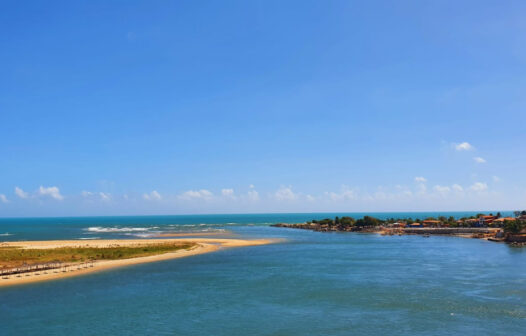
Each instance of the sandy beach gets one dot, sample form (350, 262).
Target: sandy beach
(204, 245)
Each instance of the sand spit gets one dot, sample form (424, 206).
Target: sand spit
(204, 245)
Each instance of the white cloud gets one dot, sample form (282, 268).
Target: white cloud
(441, 189)
(105, 196)
(310, 198)
(3, 199)
(285, 194)
(227, 192)
(253, 195)
(251, 186)
(52, 192)
(496, 179)
(153, 196)
(457, 188)
(479, 186)
(20, 193)
(345, 194)
(464, 146)
(196, 194)
(421, 184)
(478, 159)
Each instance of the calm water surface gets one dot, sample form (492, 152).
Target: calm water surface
(313, 284)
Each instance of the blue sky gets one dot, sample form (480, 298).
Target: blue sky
(160, 107)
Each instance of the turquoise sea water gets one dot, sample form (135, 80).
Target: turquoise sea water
(312, 284)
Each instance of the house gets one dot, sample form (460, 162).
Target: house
(472, 222)
(486, 220)
(500, 221)
(415, 225)
(399, 225)
(489, 219)
(430, 222)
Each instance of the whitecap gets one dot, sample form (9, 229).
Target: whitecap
(115, 229)
(140, 235)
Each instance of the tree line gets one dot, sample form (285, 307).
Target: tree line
(511, 226)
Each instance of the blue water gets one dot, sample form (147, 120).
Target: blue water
(312, 284)
(146, 226)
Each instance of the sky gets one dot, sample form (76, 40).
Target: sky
(180, 107)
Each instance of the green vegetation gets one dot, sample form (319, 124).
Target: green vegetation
(11, 257)
(513, 227)
(350, 224)
(347, 222)
(368, 221)
(340, 223)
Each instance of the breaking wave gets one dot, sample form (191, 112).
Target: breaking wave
(116, 229)
(146, 232)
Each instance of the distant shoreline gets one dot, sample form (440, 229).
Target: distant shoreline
(254, 213)
(496, 228)
(203, 245)
(490, 234)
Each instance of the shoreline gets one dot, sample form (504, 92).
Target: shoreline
(475, 233)
(204, 245)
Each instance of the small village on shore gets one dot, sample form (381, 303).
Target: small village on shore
(509, 229)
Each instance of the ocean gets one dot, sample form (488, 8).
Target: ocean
(312, 284)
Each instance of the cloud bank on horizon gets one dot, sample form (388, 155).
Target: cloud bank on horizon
(421, 194)
(356, 106)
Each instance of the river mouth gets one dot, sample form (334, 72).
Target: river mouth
(311, 283)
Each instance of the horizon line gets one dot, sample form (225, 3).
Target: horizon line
(255, 213)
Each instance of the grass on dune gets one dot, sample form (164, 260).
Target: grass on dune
(11, 257)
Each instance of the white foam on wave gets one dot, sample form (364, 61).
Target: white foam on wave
(147, 232)
(140, 235)
(88, 238)
(115, 229)
(5, 234)
(212, 230)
